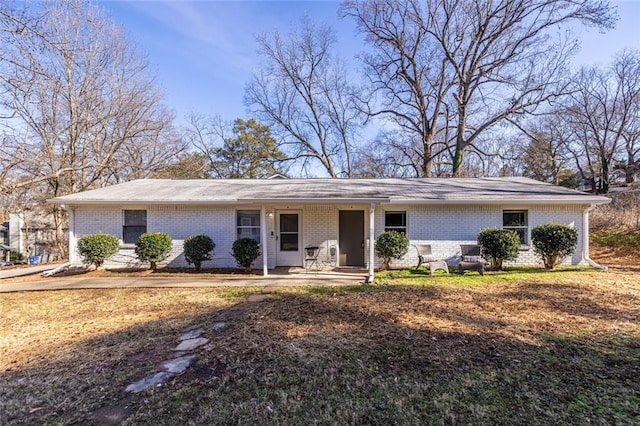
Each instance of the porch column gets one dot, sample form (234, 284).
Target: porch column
(263, 238)
(372, 217)
(73, 244)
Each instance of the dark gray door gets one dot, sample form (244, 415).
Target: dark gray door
(351, 237)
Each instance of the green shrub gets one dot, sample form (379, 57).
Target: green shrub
(553, 242)
(197, 249)
(391, 245)
(96, 248)
(16, 256)
(153, 247)
(246, 251)
(499, 245)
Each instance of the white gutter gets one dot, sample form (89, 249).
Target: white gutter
(585, 239)
(372, 216)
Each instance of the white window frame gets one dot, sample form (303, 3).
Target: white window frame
(244, 220)
(402, 229)
(524, 227)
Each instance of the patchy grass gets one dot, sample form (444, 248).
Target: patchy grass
(616, 238)
(520, 347)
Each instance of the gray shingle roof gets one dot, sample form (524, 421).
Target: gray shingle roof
(512, 190)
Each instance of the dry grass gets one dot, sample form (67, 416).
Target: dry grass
(534, 348)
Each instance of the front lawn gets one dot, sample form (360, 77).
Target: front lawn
(523, 347)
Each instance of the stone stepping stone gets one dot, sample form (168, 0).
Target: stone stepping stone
(148, 382)
(257, 297)
(191, 344)
(191, 333)
(177, 365)
(219, 325)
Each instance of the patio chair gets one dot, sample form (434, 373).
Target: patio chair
(311, 257)
(471, 259)
(424, 256)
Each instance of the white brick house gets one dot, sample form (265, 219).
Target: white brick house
(340, 216)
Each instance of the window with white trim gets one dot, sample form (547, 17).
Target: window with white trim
(395, 221)
(135, 224)
(517, 220)
(248, 224)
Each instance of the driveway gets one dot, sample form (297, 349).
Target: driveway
(76, 283)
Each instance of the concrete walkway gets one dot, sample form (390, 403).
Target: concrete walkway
(78, 282)
(27, 270)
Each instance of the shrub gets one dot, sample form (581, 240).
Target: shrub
(246, 251)
(96, 248)
(553, 242)
(197, 249)
(153, 247)
(499, 245)
(391, 245)
(16, 256)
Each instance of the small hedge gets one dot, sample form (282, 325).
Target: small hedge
(391, 245)
(197, 249)
(245, 252)
(553, 242)
(96, 248)
(153, 247)
(499, 245)
(16, 256)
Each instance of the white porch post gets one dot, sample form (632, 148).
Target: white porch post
(73, 244)
(372, 216)
(263, 238)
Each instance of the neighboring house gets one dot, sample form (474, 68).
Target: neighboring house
(340, 216)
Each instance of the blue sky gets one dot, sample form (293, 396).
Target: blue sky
(204, 51)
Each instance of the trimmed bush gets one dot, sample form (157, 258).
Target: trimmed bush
(96, 248)
(245, 252)
(499, 245)
(553, 242)
(197, 249)
(391, 245)
(16, 256)
(153, 247)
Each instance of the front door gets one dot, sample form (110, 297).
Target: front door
(289, 250)
(351, 237)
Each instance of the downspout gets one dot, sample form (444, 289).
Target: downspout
(585, 239)
(263, 238)
(372, 215)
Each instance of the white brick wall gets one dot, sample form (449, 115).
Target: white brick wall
(444, 227)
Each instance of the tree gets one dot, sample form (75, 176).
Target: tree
(603, 114)
(450, 70)
(391, 245)
(544, 155)
(245, 251)
(96, 248)
(303, 94)
(197, 249)
(80, 107)
(553, 242)
(242, 149)
(499, 245)
(153, 247)
(405, 72)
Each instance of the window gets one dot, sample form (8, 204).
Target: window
(248, 224)
(517, 220)
(135, 224)
(395, 221)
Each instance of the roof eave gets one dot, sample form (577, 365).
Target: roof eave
(519, 201)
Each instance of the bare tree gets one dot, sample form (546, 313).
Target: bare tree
(81, 108)
(603, 114)
(453, 69)
(303, 94)
(407, 75)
